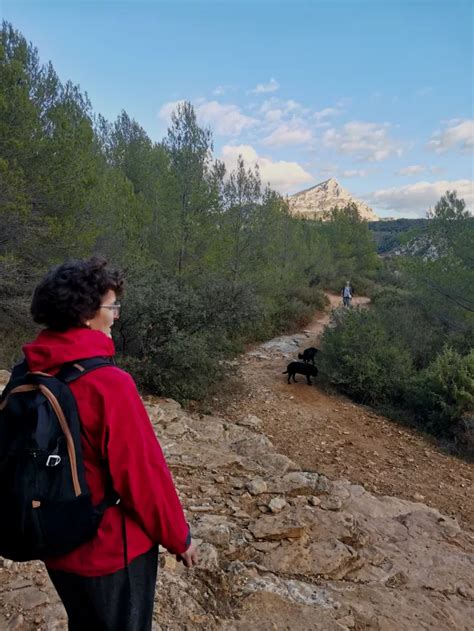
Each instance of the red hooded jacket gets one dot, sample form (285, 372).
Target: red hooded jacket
(117, 438)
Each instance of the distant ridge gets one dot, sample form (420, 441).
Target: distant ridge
(315, 201)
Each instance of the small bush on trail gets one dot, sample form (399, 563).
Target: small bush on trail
(290, 313)
(362, 359)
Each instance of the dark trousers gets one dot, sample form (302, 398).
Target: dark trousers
(122, 601)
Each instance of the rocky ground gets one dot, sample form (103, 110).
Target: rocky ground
(330, 434)
(286, 540)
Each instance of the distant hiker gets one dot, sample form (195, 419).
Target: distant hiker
(346, 294)
(108, 581)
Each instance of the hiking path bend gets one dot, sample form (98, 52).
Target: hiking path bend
(328, 433)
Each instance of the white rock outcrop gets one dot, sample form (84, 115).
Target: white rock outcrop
(314, 202)
(302, 552)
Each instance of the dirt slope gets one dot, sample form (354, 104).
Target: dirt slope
(331, 435)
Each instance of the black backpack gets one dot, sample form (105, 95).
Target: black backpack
(45, 504)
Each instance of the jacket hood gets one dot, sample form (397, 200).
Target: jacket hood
(51, 349)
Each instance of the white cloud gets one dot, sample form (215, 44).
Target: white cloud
(416, 199)
(263, 88)
(355, 173)
(298, 121)
(366, 141)
(167, 109)
(414, 169)
(327, 111)
(283, 176)
(223, 89)
(272, 116)
(293, 133)
(321, 117)
(226, 120)
(322, 125)
(289, 107)
(458, 135)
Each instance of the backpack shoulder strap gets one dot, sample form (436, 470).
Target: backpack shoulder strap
(74, 370)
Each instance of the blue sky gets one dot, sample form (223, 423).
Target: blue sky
(377, 94)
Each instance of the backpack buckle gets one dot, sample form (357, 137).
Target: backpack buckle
(53, 460)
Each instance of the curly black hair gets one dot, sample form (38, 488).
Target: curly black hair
(71, 293)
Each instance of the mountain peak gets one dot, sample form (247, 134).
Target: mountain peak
(315, 201)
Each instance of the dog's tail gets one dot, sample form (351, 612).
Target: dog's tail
(300, 355)
(285, 372)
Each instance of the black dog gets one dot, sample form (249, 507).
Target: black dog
(300, 368)
(308, 354)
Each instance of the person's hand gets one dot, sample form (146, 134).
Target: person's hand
(190, 557)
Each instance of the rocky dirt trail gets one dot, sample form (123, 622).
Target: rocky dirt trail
(286, 541)
(330, 434)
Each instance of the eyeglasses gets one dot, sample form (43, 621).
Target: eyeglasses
(115, 307)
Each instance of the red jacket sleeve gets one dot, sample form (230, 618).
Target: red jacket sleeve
(138, 468)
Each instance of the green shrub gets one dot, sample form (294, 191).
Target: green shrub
(290, 313)
(365, 357)
(173, 336)
(444, 391)
(409, 320)
(361, 358)
(311, 296)
(184, 368)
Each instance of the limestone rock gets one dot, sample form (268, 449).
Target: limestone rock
(251, 421)
(314, 202)
(163, 411)
(219, 535)
(285, 345)
(257, 486)
(331, 559)
(347, 622)
(16, 623)
(273, 528)
(362, 561)
(267, 610)
(298, 483)
(208, 557)
(277, 504)
(331, 502)
(26, 598)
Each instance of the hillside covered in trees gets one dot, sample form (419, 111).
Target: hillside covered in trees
(214, 260)
(394, 233)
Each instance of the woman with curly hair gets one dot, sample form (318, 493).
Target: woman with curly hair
(108, 582)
